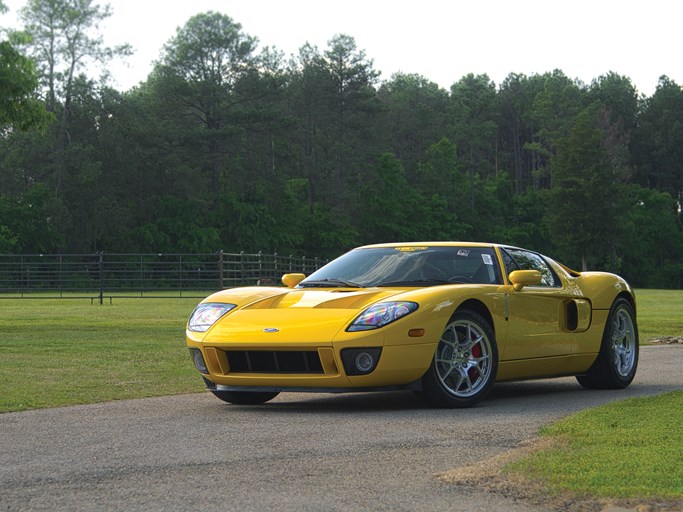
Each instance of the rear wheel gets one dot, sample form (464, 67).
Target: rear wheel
(465, 363)
(617, 360)
(245, 397)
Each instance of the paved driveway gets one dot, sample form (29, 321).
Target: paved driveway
(300, 452)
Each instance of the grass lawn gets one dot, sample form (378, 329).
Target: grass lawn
(627, 449)
(660, 313)
(64, 352)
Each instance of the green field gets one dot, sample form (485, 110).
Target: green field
(63, 352)
(630, 449)
(660, 313)
(69, 351)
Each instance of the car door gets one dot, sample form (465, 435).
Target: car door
(534, 312)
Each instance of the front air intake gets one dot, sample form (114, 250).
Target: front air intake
(274, 361)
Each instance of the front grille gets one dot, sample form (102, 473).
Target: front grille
(274, 361)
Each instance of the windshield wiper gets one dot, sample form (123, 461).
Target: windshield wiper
(331, 281)
(415, 282)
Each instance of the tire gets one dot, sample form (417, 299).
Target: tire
(245, 397)
(465, 363)
(617, 361)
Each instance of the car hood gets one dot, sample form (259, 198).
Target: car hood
(301, 315)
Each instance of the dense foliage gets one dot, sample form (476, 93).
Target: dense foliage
(227, 147)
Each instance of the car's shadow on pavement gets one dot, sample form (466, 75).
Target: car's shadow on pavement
(565, 393)
(502, 396)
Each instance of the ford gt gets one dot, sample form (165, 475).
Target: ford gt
(444, 319)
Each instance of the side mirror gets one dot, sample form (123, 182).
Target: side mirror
(522, 278)
(291, 280)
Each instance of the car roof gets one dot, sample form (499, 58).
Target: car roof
(430, 244)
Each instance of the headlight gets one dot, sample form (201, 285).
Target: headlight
(381, 314)
(205, 315)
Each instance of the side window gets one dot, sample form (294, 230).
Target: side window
(516, 259)
(462, 265)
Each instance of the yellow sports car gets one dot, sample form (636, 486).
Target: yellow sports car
(444, 319)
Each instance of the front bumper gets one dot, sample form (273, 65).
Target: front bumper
(407, 350)
(398, 365)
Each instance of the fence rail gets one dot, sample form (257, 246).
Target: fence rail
(101, 275)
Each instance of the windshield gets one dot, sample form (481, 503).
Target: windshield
(408, 266)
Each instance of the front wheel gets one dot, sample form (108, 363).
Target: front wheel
(465, 363)
(244, 397)
(617, 360)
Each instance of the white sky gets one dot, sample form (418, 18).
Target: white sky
(441, 40)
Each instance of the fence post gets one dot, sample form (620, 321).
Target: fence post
(142, 276)
(180, 273)
(241, 268)
(260, 268)
(21, 276)
(220, 269)
(61, 289)
(100, 265)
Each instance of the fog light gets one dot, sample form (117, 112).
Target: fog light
(360, 361)
(364, 362)
(198, 360)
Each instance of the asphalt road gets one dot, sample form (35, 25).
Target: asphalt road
(378, 451)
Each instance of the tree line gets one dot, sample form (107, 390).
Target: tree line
(228, 146)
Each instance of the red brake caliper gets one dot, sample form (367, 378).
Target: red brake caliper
(474, 372)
